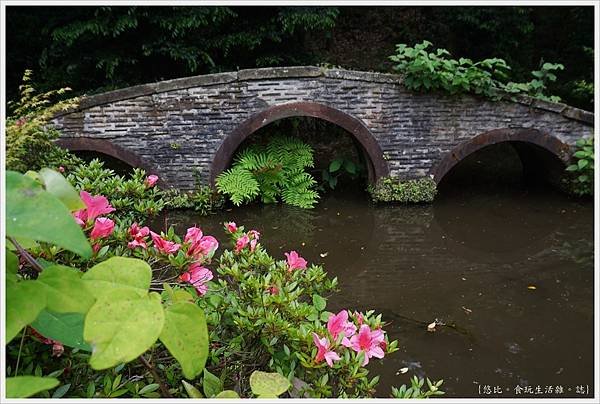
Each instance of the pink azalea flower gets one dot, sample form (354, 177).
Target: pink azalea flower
(253, 245)
(294, 261)
(323, 351)
(369, 342)
(339, 323)
(95, 205)
(231, 227)
(151, 180)
(205, 247)
(103, 227)
(193, 235)
(139, 234)
(80, 217)
(61, 169)
(241, 243)
(164, 246)
(254, 235)
(274, 290)
(198, 276)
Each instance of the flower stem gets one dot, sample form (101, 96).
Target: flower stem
(23, 253)
(163, 387)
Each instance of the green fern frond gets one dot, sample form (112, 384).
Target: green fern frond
(239, 184)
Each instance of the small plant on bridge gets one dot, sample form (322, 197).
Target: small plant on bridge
(275, 171)
(582, 169)
(389, 189)
(424, 70)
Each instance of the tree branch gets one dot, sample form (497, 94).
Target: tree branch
(163, 387)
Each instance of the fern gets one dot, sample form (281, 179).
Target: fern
(273, 171)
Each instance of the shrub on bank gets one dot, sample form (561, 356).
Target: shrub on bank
(580, 174)
(163, 324)
(422, 190)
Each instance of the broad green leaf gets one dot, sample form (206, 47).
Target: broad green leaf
(33, 213)
(319, 302)
(58, 186)
(121, 326)
(227, 394)
(580, 154)
(117, 273)
(191, 390)
(27, 386)
(24, 301)
(61, 391)
(582, 163)
(350, 167)
(66, 328)
(182, 296)
(268, 385)
(335, 165)
(186, 337)
(211, 384)
(65, 290)
(572, 167)
(12, 264)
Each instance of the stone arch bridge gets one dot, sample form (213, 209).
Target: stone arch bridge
(173, 128)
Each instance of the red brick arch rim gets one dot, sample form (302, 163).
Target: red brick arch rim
(533, 136)
(376, 164)
(108, 148)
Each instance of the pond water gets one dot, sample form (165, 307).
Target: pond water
(508, 270)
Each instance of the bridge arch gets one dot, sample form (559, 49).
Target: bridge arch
(376, 165)
(535, 137)
(106, 147)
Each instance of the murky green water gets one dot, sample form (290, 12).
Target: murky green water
(470, 260)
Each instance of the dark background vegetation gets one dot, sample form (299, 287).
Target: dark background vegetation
(94, 49)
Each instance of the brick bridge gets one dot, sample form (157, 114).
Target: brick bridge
(172, 127)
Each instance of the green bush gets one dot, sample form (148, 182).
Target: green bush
(29, 137)
(273, 171)
(204, 199)
(424, 70)
(580, 179)
(410, 191)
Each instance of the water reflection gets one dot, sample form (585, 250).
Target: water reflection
(469, 261)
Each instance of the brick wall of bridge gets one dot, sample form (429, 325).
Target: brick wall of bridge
(177, 126)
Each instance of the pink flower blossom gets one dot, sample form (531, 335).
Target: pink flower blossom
(200, 246)
(95, 205)
(369, 342)
(323, 351)
(241, 243)
(139, 235)
(274, 290)
(294, 261)
(151, 180)
(198, 276)
(103, 227)
(231, 227)
(80, 217)
(339, 323)
(61, 169)
(253, 245)
(254, 235)
(164, 246)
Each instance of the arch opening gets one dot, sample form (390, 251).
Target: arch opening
(527, 156)
(114, 157)
(371, 153)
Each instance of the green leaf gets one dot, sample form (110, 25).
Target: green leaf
(227, 394)
(24, 302)
(335, 165)
(191, 390)
(121, 326)
(66, 328)
(268, 385)
(117, 273)
(149, 388)
(33, 213)
(186, 337)
(61, 391)
(319, 302)
(65, 291)
(572, 167)
(12, 264)
(58, 186)
(27, 386)
(350, 167)
(211, 384)
(582, 164)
